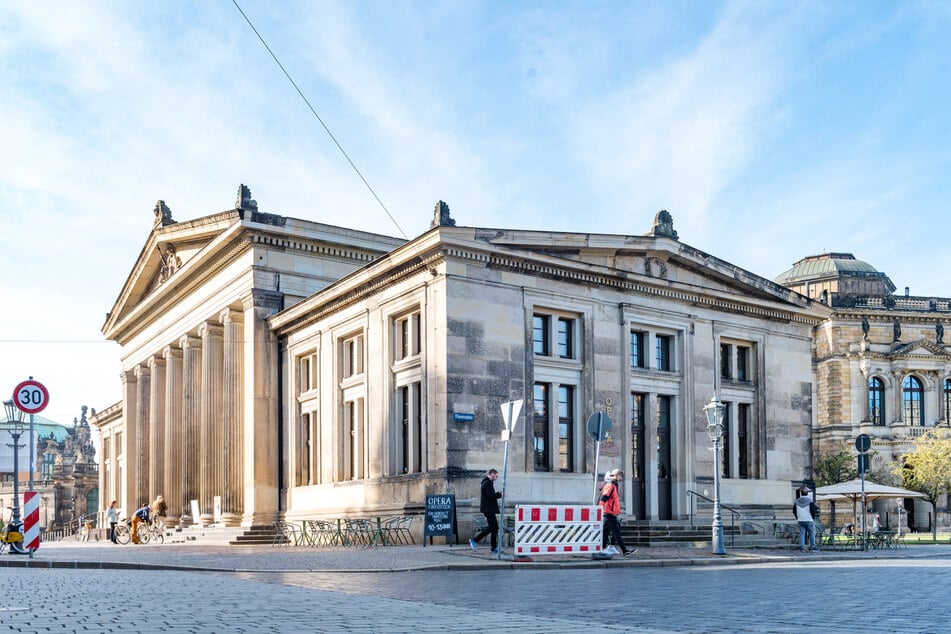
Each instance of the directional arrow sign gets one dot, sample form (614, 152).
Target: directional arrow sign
(510, 412)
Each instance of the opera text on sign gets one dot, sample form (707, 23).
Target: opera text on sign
(440, 515)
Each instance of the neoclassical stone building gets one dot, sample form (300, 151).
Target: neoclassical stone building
(297, 369)
(882, 365)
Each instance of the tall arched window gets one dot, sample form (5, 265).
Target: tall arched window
(947, 400)
(912, 401)
(876, 401)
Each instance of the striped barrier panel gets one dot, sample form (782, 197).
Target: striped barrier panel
(31, 520)
(553, 530)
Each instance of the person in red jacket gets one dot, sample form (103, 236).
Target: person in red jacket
(611, 508)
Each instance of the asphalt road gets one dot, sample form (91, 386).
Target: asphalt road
(877, 595)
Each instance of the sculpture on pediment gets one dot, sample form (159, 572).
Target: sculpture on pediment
(163, 215)
(170, 262)
(244, 200)
(897, 328)
(663, 226)
(939, 331)
(865, 328)
(441, 217)
(661, 267)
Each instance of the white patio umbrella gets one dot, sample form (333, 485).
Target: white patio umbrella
(852, 490)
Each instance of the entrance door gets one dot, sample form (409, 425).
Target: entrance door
(663, 459)
(638, 481)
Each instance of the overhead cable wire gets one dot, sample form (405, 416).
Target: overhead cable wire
(317, 116)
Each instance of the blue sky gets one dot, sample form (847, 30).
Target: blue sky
(770, 131)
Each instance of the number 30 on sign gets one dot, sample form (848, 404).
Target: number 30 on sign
(31, 396)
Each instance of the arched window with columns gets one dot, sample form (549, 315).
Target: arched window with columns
(876, 401)
(912, 401)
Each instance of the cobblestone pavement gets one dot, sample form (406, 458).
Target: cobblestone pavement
(91, 588)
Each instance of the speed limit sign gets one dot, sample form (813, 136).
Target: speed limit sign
(31, 396)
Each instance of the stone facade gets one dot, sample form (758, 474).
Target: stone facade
(882, 367)
(294, 369)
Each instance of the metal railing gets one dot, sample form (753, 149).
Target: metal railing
(734, 514)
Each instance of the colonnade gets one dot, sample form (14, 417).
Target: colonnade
(186, 428)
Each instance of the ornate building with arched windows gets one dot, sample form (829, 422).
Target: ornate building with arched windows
(882, 365)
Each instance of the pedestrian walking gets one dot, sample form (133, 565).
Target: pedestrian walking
(112, 515)
(611, 508)
(489, 506)
(806, 512)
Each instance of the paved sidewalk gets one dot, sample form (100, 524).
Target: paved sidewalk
(216, 557)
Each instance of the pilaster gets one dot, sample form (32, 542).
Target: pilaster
(262, 460)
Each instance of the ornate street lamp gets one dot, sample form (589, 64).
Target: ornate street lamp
(714, 411)
(15, 427)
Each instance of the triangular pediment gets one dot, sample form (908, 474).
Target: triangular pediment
(169, 250)
(651, 259)
(919, 348)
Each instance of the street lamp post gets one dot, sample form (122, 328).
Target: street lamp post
(714, 411)
(15, 429)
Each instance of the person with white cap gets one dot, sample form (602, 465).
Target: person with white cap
(611, 507)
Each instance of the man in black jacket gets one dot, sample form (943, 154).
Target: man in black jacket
(489, 506)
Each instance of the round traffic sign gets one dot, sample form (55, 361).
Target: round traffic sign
(863, 443)
(31, 396)
(599, 425)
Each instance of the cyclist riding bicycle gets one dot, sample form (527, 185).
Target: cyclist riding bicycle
(141, 515)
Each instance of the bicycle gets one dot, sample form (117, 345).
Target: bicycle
(12, 536)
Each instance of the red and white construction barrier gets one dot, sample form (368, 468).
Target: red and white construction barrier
(31, 520)
(552, 530)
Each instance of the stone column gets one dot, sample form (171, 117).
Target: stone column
(232, 503)
(143, 394)
(173, 434)
(157, 428)
(125, 446)
(262, 463)
(211, 426)
(191, 423)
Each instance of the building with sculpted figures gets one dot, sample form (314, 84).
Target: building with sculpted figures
(882, 365)
(294, 369)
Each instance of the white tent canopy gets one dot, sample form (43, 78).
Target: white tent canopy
(852, 490)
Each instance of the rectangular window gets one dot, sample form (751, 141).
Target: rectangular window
(351, 353)
(354, 437)
(663, 437)
(743, 439)
(663, 353)
(565, 338)
(638, 405)
(725, 442)
(307, 372)
(411, 427)
(638, 356)
(541, 426)
(303, 451)
(406, 336)
(540, 335)
(726, 355)
(742, 363)
(566, 427)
